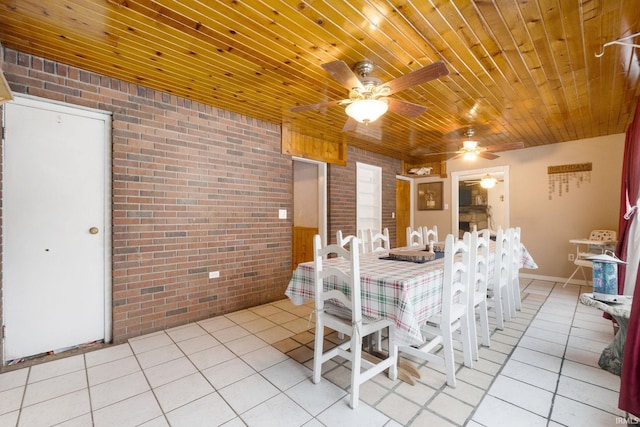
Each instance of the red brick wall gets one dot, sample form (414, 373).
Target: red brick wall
(342, 193)
(195, 189)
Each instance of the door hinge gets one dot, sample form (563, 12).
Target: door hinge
(2, 332)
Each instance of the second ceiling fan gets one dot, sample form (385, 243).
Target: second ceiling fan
(471, 149)
(369, 97)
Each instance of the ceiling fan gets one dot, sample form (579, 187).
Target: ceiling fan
(470, 149)
(369, 97)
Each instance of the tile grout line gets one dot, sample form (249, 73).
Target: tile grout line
(495, 377)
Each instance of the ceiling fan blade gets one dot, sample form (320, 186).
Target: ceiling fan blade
(350, 125)
(505, 147)
(341, 72)
(439, 153)
(430, 72)
(299, 108)
(406, 108)
(488, 156)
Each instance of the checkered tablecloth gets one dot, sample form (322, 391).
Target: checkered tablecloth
(406, 292)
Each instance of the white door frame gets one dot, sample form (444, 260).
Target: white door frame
(322, 196)
(36, 102)
(456, 177)
(411, 198)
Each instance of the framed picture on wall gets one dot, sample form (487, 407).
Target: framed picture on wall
(430, 196)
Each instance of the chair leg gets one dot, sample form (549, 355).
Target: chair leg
(484, 323)
(584, 275)
(572, 274)
(317, 352)
(449, 362)
(473, 335)
(356, 350)
(512, 302)
(517, 298)
(498, 308)
(506, 304)
(465, 337)
(393, 353)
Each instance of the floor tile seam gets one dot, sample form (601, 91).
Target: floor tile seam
(524, 295)
(24, 393)
(562, 362)
(616, 390)
(215, 389)
(90, 386)
(581, 402)
(279, 391)
(151, 388)
(218, 390)
(86, 373)
(515, 406)
(441, 390)
(90, 411)
(424, 408)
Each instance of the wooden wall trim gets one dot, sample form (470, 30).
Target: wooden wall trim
(307, 147)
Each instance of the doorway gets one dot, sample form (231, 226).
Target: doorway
(404, 207)
(57, 227)
(476, 206)
(309, 208)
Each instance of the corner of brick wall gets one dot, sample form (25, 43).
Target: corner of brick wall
(194, 188)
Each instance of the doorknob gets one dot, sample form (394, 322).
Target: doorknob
(93, 230)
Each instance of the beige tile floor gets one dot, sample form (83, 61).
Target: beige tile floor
(252, 367)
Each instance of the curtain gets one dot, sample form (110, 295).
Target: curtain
(628, 244)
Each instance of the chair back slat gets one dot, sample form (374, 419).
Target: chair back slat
(379, 242)
(343, 241)
(430, 234)
(480, 261)
(350, 276)
(414, 237)
(456, 273)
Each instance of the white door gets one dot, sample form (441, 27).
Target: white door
(56, 230)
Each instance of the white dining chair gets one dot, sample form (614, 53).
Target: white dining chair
(378, 242)
(452, 321)
(414, 237)
(478, 305)
(515, 252)
(340, 309)
(430, 234)
(343, 241)
(498, 297)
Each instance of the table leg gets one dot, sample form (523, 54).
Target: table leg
(611, 357)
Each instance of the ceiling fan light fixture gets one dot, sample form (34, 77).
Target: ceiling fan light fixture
(367, 110)
(488, 181)
(469, 145)
(469, 155)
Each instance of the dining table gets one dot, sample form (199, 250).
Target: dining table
(406, 292)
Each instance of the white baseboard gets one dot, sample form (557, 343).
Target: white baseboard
(579, 282)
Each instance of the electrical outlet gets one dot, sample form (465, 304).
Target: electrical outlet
(571, 257)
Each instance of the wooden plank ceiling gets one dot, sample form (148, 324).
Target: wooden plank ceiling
(519, 70)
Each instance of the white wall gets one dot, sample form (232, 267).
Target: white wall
(548, 223)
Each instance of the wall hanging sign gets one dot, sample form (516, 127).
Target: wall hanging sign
(562, 176)
(430, 196)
